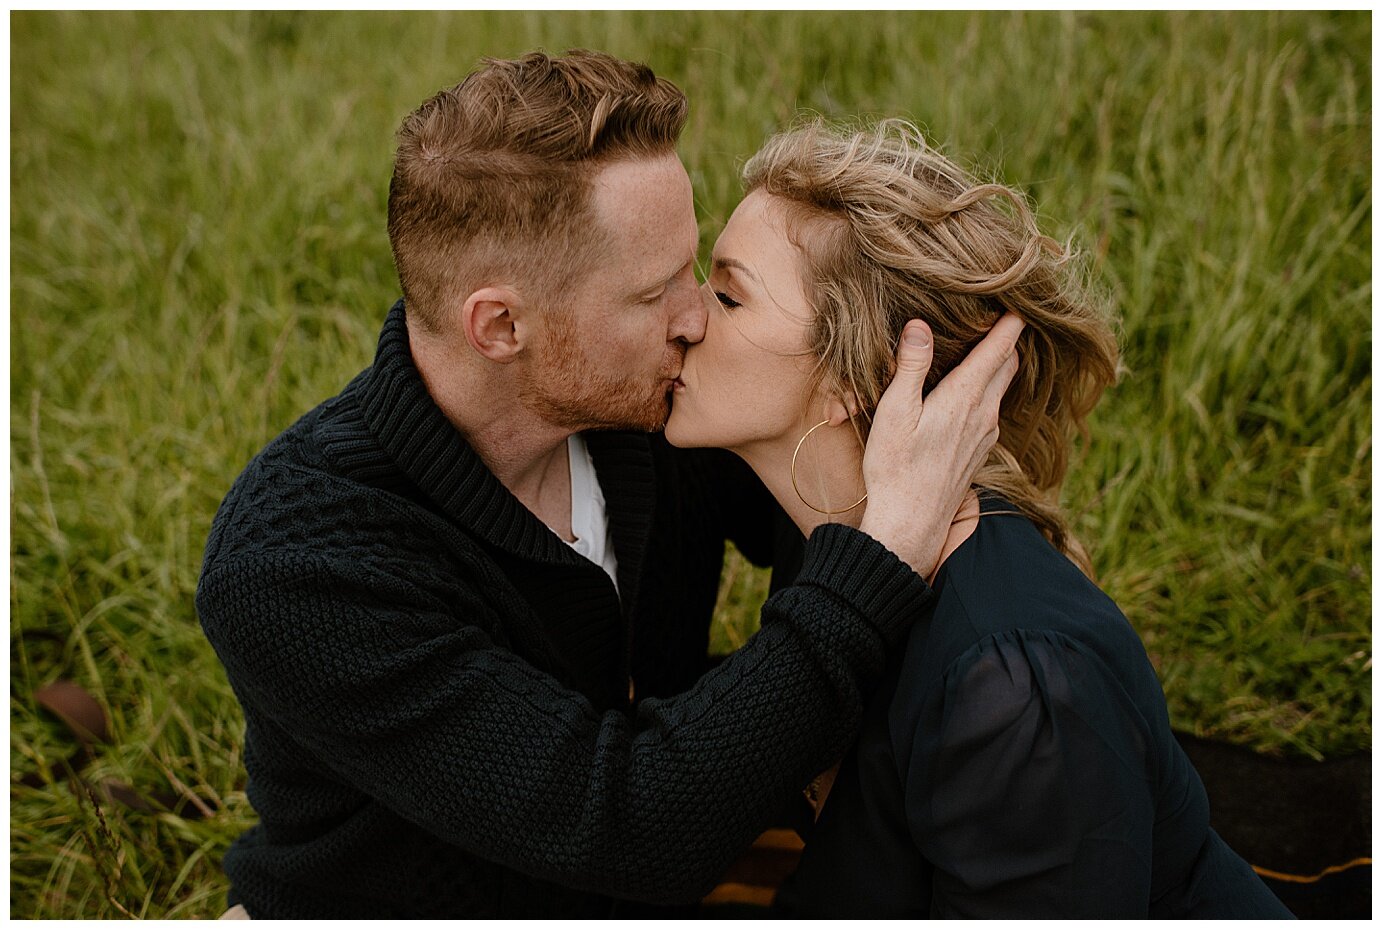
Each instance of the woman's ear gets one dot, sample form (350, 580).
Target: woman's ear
(839, 409)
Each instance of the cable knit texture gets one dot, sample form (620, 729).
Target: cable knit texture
(435, 686)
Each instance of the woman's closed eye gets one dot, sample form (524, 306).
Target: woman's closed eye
(729, 303)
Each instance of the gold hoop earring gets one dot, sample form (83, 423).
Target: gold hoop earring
(795, 452)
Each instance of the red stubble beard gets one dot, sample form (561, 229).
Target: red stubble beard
(567, 389)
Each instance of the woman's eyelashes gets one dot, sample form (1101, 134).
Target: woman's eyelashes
(726, 301)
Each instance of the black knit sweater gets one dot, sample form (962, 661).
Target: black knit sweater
(436, 687)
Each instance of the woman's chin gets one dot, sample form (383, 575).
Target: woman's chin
(681, 431)
(676, 431)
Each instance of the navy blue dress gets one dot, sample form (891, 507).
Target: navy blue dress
(1018, 762)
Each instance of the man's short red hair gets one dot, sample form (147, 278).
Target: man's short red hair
(492, 177)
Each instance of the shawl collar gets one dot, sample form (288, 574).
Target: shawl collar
(624, 465)
(415, 434)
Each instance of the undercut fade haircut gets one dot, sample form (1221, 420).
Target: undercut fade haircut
(492, 178)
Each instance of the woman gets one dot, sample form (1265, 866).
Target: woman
(1018, 761)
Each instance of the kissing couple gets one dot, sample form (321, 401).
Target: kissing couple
(464, 604)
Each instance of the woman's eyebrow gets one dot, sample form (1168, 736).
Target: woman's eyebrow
(717, 261)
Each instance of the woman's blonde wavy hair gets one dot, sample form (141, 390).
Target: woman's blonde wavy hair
(892, 231)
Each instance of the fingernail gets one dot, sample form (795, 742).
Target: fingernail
(916, 336)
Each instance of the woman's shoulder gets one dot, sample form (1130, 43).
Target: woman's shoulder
(1012, 614)
(1007, 581)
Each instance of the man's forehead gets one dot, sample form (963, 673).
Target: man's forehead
(644, 207)
(642, 176)
(646, 196)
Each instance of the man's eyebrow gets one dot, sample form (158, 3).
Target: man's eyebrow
(717, 261)
(664, 281)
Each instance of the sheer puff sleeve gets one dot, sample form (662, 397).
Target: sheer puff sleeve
(1029, 783)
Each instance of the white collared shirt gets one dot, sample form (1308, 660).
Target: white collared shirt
(589, 522)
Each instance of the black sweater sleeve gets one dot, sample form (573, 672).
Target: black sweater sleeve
(413, 704)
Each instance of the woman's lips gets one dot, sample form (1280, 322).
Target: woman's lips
(678, 385)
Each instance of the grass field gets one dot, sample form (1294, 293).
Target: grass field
(198, 255)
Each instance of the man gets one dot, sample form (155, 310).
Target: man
(467, 621)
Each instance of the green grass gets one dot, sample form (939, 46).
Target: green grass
(198, 255)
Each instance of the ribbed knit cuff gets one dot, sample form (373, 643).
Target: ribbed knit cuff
(864, 572)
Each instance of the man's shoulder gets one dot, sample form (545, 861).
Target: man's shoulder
(299, 495)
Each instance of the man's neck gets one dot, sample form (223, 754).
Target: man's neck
(525, 452)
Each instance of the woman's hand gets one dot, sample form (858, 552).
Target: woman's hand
(922, 457)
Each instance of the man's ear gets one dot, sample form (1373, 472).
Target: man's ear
(839, 409)
(492, 319)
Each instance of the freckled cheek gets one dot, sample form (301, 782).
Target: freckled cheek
(645, 348)
(753, 393)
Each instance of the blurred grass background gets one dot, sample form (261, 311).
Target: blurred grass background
(198, 255)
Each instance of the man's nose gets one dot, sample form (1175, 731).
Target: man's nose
(688, 323)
